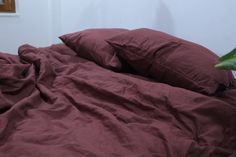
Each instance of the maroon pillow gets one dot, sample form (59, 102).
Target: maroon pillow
(171, 60)
(91, 44)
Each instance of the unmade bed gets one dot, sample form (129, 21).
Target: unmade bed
(56, 102)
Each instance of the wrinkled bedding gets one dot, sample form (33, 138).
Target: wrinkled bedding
(56, 104)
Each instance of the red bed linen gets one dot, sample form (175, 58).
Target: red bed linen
(55, 104)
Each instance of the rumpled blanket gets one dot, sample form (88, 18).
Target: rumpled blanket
(56, 104)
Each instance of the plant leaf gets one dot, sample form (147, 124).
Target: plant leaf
(227, 64)
(229, 55)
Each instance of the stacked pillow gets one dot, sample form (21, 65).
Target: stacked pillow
(91, 44)
(153, 54)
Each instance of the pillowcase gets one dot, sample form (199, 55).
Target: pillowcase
(91, 44)
(171, 60)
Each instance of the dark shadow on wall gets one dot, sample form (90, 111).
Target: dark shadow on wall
(164, 20)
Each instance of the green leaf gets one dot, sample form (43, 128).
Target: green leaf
(228, 56)
(229, 63)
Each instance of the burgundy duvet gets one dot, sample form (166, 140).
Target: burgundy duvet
(55, 104)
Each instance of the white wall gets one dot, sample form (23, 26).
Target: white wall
(56, 20)
(30, 25)
(80, 14)
(210, 23)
